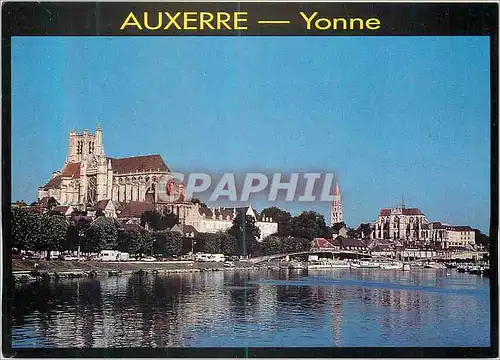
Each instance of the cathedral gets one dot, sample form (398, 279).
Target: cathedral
(89, 176)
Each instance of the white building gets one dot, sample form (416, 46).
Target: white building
(211, 220)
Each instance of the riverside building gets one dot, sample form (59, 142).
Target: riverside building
(411, 227)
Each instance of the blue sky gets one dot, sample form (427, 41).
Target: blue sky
(389, 115)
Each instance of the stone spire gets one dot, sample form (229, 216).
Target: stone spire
(99, 147)
(337, 215)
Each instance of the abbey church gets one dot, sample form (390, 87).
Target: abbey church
(89, 176)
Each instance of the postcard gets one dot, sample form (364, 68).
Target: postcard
(250, 179)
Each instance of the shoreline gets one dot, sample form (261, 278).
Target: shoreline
(25, 270)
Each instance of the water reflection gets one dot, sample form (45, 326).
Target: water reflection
(323, 308)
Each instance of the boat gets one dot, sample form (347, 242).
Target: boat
(318, 265)
(296, 265)
(395, 265)
(339, 264)
(434, 265)
(365, 264)
(328, 264)
(475, 270)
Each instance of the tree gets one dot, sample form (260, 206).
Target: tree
(282, 217)
(53, 233)
(25, 228)
(51, 203)
(272, 245)
(295, 244)
(157, 221)
(209, 243)
(352, 233)
(309, 225)
(135, 240)
(101, 234)
(228, 243)
(481, 239)
(245, 232)
(168, 243)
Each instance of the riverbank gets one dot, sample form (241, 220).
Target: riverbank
(25, 270)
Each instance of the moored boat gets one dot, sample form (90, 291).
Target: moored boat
(395, 265)
(434, 265)
(365, 264)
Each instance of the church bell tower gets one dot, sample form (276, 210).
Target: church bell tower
(337, 215)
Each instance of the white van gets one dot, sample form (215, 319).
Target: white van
(216, 257)
(124, 256)
(109, 255)
(201, 257)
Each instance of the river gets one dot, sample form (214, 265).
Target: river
(363, 307)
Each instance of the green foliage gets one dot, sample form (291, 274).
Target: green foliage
(168, 243)
(102, 234)
(481, 239)
(25, 228)
(157, 221)
(228, 243)
(209, 243)
(309, 225)
(246, 234)
(282, 217)
(53, 233)
(272, 245)
(281, 245)
(135, 240)
(353, 233)
(295, 244)
(51, 203)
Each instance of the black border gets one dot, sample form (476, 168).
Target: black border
(97, 19)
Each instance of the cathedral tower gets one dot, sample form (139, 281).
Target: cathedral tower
(337, 215)
(84, 144)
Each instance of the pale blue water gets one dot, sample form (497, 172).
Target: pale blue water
(364, 307)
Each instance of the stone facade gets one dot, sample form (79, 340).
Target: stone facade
(89, 176)
(211, 220)
(411, 227)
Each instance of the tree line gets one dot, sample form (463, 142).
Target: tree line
(52, 231)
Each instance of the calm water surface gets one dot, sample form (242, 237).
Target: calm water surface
(364, 307)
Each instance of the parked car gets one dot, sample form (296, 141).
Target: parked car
(33, 257)
(229, 264)
(148, 258)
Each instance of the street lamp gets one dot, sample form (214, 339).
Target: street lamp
(80, 235)
(192, 247)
